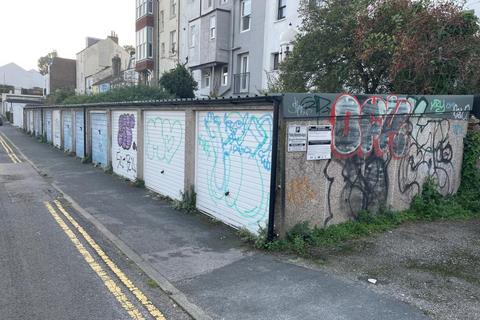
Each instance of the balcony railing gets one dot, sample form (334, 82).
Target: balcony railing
(241, 83)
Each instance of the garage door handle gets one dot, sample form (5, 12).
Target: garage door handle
(162, 172)
(227, 193)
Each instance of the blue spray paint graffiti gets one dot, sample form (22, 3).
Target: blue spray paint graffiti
(170, 132)
(238, 148)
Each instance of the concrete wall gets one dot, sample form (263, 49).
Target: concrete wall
(382, 151)
(61, 75)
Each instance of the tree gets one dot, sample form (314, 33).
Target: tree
(179, 82)
(129, 48)
(378, 46)
(45, 61)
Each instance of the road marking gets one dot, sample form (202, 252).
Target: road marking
(109, 283)
(9, 150)
(119, 273)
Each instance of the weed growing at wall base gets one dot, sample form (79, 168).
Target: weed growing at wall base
(429, 205)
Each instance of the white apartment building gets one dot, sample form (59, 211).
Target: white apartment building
(234, 47)
(168, 35)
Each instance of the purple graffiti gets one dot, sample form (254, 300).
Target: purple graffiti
(126, 123)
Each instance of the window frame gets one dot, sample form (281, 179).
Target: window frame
(173, 8)
(212, 31)
(243, 16)
(193, 36)
(224, 76)
(161, 17)
(281, 9)
(173, 42)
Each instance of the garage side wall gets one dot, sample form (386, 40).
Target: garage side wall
(382, 151)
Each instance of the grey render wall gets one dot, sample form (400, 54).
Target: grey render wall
(250, 42)
(380, 159)
(62, 74)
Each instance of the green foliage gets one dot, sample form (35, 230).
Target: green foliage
(87, 159)
(379, 46)
(139, 183)
(59, 96)
(429, 205)
(179, 82)
(134, 93)
(45, 61)
(188, 202)
(6, 88)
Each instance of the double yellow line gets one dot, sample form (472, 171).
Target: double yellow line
(9, 151)
(107, 280)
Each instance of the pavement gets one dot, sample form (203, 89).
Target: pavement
(200, 264)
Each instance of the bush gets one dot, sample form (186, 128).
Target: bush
(134, 93)
(179, 82)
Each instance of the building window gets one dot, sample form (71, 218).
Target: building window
(244, 67)
(162, 50)
(161, 19)
(193, 36)
(206, 79)
(246, 12)
(213, 27)
(173, 8)
(173, 42)
(209, 4)
(144, 7)
(224, 76)
(144, 42)
(275, 61)
(282, 8)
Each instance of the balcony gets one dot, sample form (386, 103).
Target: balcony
(241, 83)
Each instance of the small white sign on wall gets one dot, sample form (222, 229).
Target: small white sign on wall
(319, 142)
(297, 138)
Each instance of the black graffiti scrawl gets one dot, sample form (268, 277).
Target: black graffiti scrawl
(376, 136)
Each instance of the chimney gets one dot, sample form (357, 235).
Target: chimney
(116, 66)
(114, 37)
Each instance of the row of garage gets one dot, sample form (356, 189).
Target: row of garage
(225, 155)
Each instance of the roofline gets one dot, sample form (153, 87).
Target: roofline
(169, 102)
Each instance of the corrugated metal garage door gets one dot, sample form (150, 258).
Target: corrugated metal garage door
(38, 123)
(164, 154)
(79, 135)
(18, 114)
(99, 138)
(233, 163)
(30, 121)
(124, 144)
(48, 125)
(56, 129)
(67, 131)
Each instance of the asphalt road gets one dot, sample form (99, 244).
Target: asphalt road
(53, 265)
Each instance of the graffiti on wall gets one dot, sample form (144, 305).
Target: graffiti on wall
(125, 150)
(163, 139)
(384, 142)
(236, 147)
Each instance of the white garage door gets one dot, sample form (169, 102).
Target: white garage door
(124, 144)
(57, 129)
(233, 166)
(164, 158)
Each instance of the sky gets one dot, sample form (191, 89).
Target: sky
(30, 29)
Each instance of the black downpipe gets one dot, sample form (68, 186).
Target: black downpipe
(84, 132)
(273, 175)
(41, 123)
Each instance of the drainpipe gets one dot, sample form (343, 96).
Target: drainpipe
(84, 132)
(273, 172)
(232, 49)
